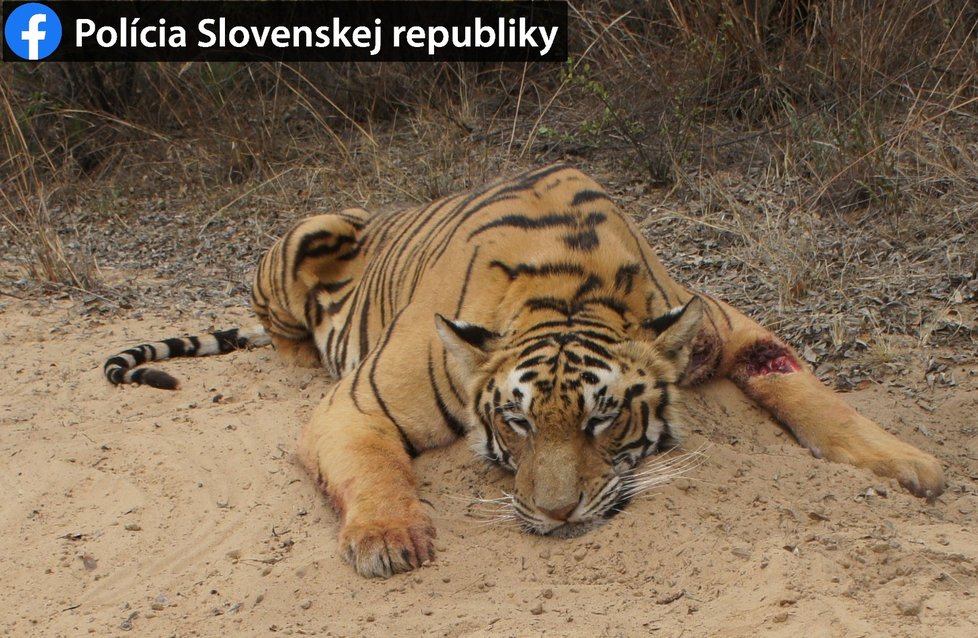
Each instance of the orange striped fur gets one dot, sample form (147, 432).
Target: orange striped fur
(532, 317)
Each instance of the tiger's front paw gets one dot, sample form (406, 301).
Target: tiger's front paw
(387, 546)
(864, 444)
(917, 471)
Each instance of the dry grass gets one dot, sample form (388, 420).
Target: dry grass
(27, 216)
(813, 161)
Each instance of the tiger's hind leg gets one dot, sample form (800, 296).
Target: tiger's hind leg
(363, 463)
(771, 373)
(319, 257)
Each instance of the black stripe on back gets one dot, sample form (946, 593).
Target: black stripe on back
(625, 277)
(592, 283)
(642, 246)
(583, 241)
(524, 222)
(306, 250)
(561, 306)
(465, 283)
(543, 270)
(588, 195)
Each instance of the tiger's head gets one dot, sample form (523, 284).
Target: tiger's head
(572, 408)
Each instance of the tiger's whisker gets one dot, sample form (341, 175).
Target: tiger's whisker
(671, 458)
(478, 499)
(636, 489)
(685, 462)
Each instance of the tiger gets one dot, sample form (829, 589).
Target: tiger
(531, 317)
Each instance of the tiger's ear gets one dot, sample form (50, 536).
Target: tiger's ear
(469, 343)
(675, 332)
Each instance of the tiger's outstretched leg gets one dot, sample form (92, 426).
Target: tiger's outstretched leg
(771, 373)
(300, 274)
(361, 462)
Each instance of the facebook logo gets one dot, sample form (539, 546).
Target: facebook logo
(33, 31)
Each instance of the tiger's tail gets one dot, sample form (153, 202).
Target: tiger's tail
(122, 368)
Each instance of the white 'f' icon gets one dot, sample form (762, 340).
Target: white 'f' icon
(34, 35)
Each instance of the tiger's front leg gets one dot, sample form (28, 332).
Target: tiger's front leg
(361, 463)
(833, 429)
(770, 373)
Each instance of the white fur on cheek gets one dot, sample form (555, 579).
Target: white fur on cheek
(525, 389)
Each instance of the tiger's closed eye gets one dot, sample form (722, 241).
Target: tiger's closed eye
(518, 424)
(599, 423)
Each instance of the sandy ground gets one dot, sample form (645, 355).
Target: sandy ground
(131, 511)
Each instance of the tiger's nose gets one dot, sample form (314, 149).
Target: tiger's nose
(561, 513)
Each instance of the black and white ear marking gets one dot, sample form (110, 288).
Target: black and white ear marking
(597, 424)
(660, 324)
(471, 344)
(678, 328)
(519, 424)
(473, 335)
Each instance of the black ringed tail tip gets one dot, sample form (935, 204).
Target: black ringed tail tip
(123, 368)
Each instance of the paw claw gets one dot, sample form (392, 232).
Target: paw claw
(386, 547)
(918, 473)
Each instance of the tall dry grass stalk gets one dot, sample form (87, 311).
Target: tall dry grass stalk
(838, 113)
(26, 211)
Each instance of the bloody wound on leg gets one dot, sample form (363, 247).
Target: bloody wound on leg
(767, 357)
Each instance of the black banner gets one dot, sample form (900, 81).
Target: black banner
(186, 31)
